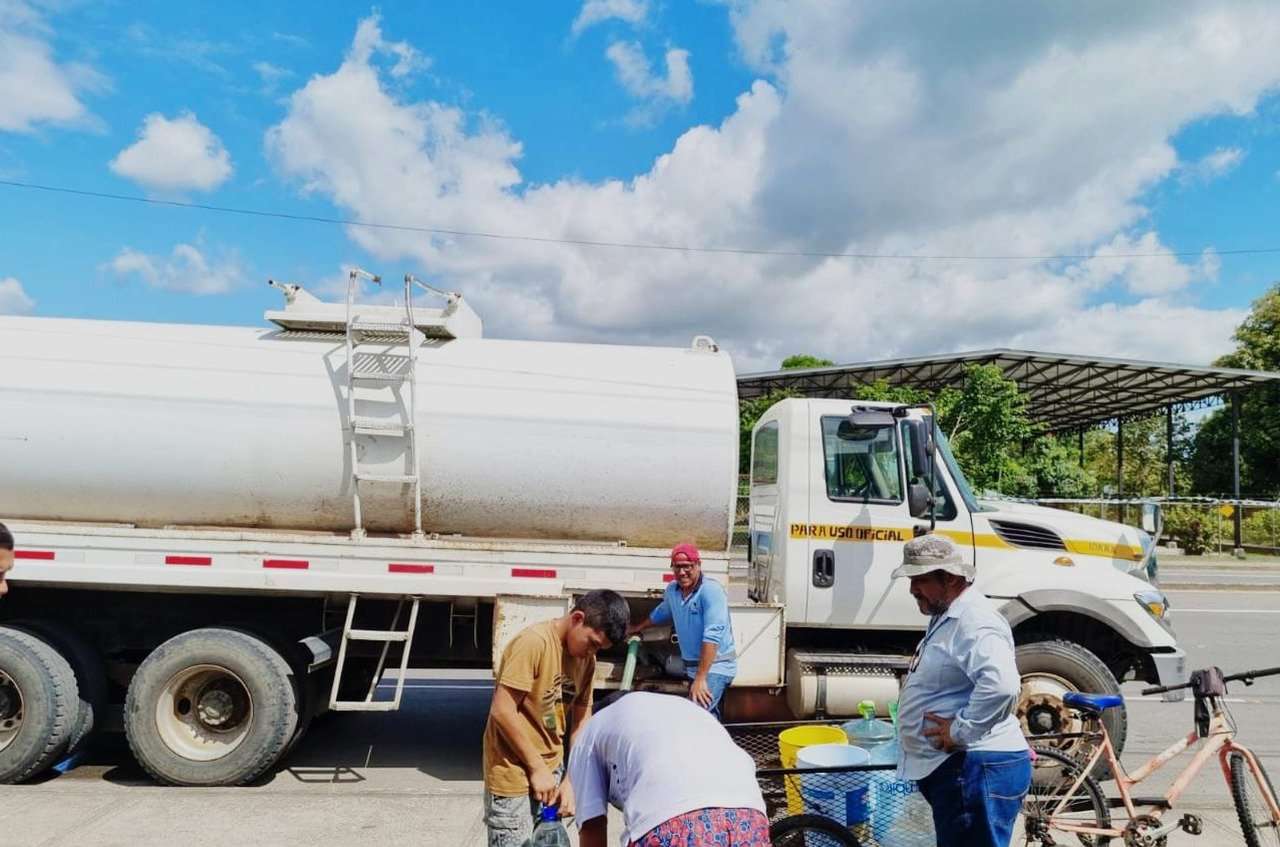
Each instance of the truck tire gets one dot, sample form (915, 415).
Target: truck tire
(1051, 668)
(211, 706)
(38, 702)
(90, 673)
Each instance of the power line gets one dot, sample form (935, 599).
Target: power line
(623, 245)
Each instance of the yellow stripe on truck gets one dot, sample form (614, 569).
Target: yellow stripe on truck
(1103, 548)
(901, 535)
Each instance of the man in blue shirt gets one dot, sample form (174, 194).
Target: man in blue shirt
(958, 736)
(699, 608)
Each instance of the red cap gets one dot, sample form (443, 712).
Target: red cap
(690, 552)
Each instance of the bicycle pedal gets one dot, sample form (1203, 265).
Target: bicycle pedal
(1191, 824)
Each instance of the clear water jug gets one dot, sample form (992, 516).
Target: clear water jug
(550, 832)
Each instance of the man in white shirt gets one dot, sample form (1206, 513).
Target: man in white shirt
(958, 735)
(674, 772)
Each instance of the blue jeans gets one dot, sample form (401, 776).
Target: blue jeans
(976, 797)
(716, 684)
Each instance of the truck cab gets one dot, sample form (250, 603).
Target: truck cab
(836, 490)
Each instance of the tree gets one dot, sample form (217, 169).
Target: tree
(749, 412)
(804, 360)
(1257, 348)
(1146, 456)
(986, 421)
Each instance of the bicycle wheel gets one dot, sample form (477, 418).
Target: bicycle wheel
(1052, 800)
(811, 831)
(1259, 826)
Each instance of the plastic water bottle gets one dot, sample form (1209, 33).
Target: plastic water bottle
(875, 736)
(549, 832)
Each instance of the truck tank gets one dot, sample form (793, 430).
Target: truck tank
(164, 424)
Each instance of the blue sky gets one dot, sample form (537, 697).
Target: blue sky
(743, 124)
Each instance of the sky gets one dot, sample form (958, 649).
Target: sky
(856, 180)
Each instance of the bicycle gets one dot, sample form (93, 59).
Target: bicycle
(1065, 798)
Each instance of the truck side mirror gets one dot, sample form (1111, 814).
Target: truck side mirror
(919, 447)
(1152, 519)
(918, 500)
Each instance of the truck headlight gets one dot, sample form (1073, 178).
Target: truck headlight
(1155, 604)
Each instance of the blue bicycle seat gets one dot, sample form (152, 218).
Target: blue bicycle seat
(1092, 702)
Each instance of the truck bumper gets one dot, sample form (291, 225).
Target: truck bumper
(1171, 669)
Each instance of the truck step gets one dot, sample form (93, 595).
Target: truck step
(404, 479)
(377, 635)
(381, 376)
(363, 705)
(379, 426)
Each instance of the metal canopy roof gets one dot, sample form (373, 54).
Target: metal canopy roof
(1066, 392)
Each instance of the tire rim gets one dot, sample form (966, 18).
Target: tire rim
(204, 712)
(11, 710)
(1041, 711)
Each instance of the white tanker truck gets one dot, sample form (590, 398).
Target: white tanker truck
(224, 531)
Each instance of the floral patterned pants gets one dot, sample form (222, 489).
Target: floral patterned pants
(710, 828)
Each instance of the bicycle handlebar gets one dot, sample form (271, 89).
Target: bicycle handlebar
(1247, 677)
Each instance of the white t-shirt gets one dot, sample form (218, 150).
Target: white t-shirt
(657, 756)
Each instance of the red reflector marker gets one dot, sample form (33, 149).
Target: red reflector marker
(403, 568)
(44, 555)
(287, 564)
(204, 561)
(535, 573)
(668, 577)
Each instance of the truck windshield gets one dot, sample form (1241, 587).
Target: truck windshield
(949, 459)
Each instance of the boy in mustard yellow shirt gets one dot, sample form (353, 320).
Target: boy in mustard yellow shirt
(542, 668)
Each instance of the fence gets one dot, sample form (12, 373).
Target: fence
(864, 801)
(1196, 524)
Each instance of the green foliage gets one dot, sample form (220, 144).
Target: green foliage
(1192, 526)
(881, 391)
(804, 360)
(986, 421)
(1054, 465)
(749, 412)
(1146, 469)
(1257, 348)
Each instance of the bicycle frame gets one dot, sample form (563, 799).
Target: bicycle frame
(1220, 739)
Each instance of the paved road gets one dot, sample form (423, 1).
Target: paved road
(1236, 630)
(412, 778)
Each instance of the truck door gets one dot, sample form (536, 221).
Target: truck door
(859, 521)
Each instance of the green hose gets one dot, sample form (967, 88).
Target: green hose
(629, 669)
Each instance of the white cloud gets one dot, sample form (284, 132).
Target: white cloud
(1143, 266)
(35, 88)
(369, 41)
(185, 269)
(638, 78)
(599, 11)
(1149, 329)
(174, 155)
(13, 299)
(1217, 164)
(271, 75)
(903, 128)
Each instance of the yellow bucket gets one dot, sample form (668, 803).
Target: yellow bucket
(790, 741)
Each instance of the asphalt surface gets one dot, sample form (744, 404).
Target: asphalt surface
(413, 777)
(1236, 630)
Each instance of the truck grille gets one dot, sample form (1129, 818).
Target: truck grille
(1026, 535)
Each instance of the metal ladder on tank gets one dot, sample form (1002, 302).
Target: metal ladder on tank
(387, 637)
(388, 370)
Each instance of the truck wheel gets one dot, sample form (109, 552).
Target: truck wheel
(86, 664)
(210, 707)
(37, 705)
(1052, 668)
